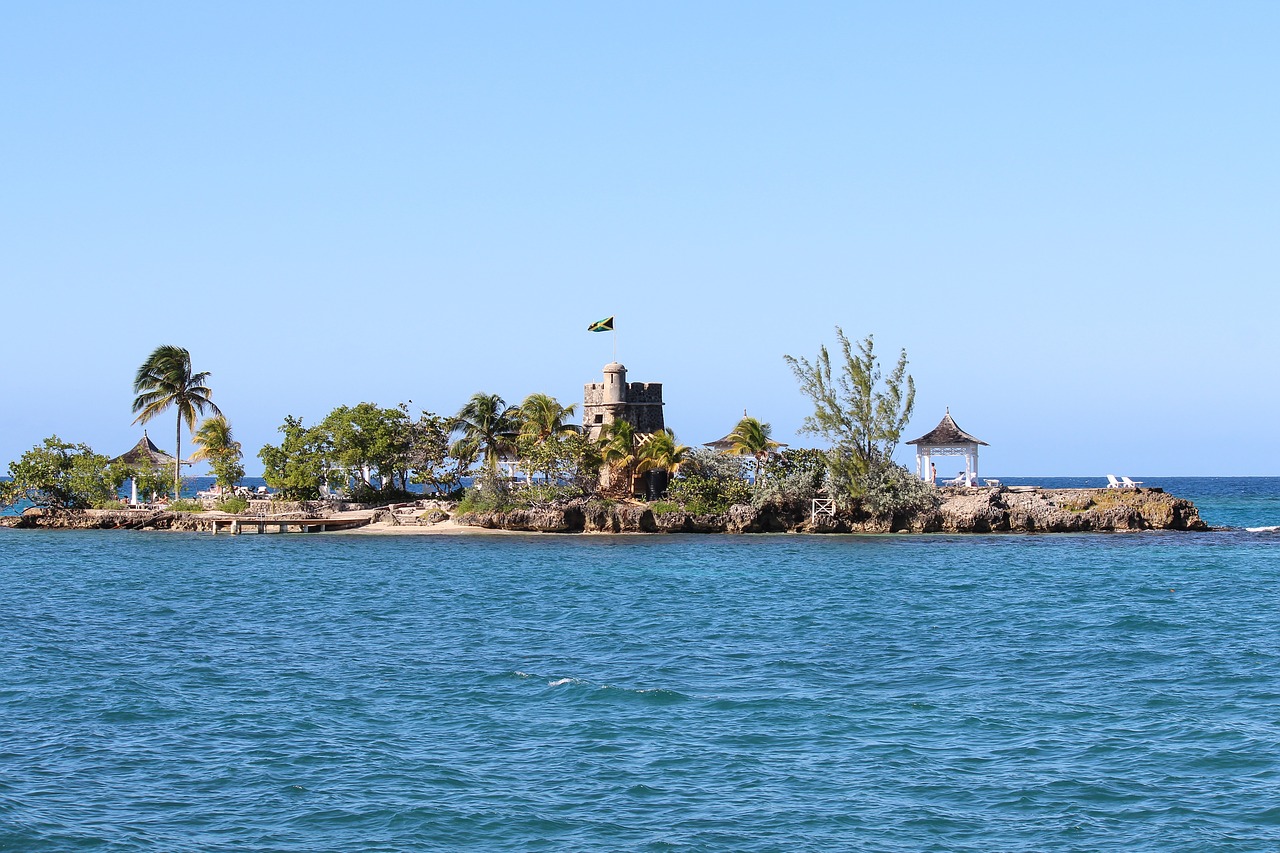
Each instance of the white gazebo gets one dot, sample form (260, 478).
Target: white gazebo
(947, 439)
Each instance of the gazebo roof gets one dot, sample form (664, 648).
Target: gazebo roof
(726, 443)
(144, 453)
(946, 433)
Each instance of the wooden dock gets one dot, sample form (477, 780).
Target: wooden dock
(236, 525)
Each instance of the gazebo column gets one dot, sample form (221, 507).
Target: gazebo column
(133, 491)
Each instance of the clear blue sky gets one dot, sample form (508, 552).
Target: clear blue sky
(1066, 213)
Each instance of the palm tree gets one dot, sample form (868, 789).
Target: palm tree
(751, 438)
(488, 427)
(218, 446)
(165, 379)
(618, 450)
(661, 453)
(542, 423)
(542, 416)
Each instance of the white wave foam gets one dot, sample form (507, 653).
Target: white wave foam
(562, 681)
(1263, 529)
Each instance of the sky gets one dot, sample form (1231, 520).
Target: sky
(1066, 214)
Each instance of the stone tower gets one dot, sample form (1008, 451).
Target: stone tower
(638, 403)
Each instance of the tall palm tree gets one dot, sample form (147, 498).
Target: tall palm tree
(165, 379)
(618, 451)
(751, 438)
(216, 444)
(542, 424)
(542, 416)
(488, 427)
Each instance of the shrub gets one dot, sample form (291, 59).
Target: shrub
(233, 505)
(62, 475)
(186, 505)
(889, 490)
(704, 495)
(489, 493)
(663, 507)
(795, 489)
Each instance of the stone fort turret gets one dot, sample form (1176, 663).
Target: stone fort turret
(638, 403)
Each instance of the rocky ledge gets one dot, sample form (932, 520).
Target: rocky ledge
(102, 519)
(1000, 510)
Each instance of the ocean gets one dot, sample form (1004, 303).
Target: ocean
(1070, 692)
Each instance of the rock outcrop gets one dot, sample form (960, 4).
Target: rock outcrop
(998, 510)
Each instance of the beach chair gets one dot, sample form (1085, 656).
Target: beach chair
(1130, 484)
(1113, 483)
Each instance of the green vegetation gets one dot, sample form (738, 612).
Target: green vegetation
(233, 505)
(165, 379)
(709, 482)
(61, 475)
(298, 466)
(152, 481)
(369, 441)
(489, 428)
(618, 455)
(752, 438)
(790, 480)
(862, 413)
(428, 457)
(376, 453)
(661, 454)
(216, 445)
(185, 505)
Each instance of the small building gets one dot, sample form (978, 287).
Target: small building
(947, 439)
(144, 454)
(638, 403)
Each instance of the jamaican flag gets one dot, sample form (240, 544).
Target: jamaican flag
(605, 325)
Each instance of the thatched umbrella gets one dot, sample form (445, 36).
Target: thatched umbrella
(143, 453)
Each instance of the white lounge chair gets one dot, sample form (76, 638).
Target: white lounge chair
(1130, 484)
(1113, 483)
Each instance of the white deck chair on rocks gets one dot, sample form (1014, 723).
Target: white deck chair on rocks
(1113, 483)
(1130, 484)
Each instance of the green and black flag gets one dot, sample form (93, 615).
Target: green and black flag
(605, 325)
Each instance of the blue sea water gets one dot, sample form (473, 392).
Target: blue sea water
(166, 691)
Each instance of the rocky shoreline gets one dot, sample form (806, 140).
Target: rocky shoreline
(998, 510)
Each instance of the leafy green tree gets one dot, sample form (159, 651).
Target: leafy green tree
(753, 439)
(489, 428)
(163, 380)
(428, 455)
(368, 438)
(151, 480)
(300, 464)
(216, 445)
(860, 411)
(61, 475)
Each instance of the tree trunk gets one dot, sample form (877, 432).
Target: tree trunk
(177, 459)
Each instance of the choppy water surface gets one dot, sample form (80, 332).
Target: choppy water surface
(179, 692)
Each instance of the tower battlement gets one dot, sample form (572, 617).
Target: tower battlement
(638, 403)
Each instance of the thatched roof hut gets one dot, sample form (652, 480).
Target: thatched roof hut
(145, 453)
